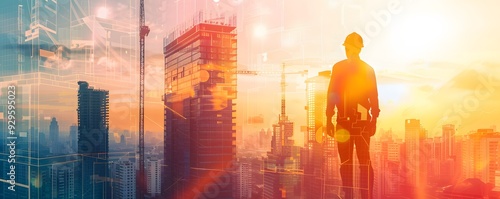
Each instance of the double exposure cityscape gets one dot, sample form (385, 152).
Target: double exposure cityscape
(249, 99)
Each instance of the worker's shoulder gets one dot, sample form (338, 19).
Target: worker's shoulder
(340, 65)
(366, 65)
(346, 63)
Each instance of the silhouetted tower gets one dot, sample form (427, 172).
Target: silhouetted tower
(54, 131)
(93, 130)
(415, 152)
(122, 139)
(73, 137)
(448, 141)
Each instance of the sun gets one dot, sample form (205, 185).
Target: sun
(103, 12)
(415, 37)
(259, 30)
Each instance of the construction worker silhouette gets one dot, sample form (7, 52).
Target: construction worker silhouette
(353, 91)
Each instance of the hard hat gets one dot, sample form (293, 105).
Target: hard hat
(354, 39)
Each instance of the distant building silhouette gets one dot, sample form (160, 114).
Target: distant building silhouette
(93, 131)
(448, 141)
(123, 140)
(54, 136)
(415, 163)
(73, 137)
(54, 131)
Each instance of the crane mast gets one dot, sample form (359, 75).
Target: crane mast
(283, 74)
(143, 32)
(283, 90)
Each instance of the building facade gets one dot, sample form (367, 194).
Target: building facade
(125, 175)
(482, 156)
(153, 176)
(243, 184)
(63, 181)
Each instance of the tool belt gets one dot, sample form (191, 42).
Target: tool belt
(353, 125)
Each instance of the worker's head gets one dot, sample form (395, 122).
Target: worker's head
(353, 44)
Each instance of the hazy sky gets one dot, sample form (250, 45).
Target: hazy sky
(430, 57)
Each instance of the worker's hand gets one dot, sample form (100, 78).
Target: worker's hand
(330, 129)
(372, 127)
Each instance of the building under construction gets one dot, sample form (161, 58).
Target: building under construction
(282, 172)
(199, 110)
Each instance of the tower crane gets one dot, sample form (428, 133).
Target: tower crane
(283, 116)
(281, 144)
(143, 32)
(283, 83)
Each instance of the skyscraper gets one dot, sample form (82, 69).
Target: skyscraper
(448, 141)
(73, 137)
(386, 165)
(200, 86)
(319, 155)
(243, 184)
(63, 181)
(153, 176)
(415, 163)
(93, 130)
(282, 167)
(122, 140)
(482, 156)
(54, 136)
(125, 180)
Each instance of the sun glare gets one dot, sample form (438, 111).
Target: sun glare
(417, 35)
(260, 30)
(102, 12)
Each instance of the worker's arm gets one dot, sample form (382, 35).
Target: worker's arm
(373, 94)
(373, 98)
(331, 102)
(332, 97)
